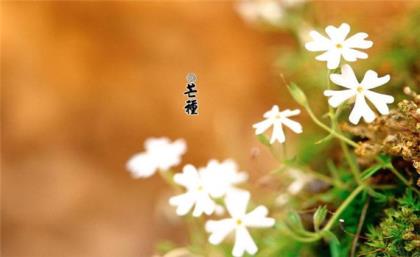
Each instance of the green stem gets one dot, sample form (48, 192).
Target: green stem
(353, 166)
(401, 177)
(168, 175)
(343, 206)
(325, 127)
(359, 228)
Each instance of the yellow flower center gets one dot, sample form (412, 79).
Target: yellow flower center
(359, 89)
(339, 46)
(238, 222)
(200, 188)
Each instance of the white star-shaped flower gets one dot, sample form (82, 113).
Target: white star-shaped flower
(359, 91)
(160, 154)
(336, 45)
(277, 119)
(203, 185)
(238, 223)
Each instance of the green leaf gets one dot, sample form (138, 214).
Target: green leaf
(369, 172)
(319, 216)
(297, 94)
(330, 237)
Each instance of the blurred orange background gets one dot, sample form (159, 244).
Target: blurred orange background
(85, 83)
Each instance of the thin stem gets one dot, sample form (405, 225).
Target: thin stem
(168, 175)
(401, 177)
(353, 166)
(359, 228)
(343, 206)
(325, 127)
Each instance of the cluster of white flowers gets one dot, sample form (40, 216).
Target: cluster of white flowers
(208, 188)
(336, 47)
(205, 187)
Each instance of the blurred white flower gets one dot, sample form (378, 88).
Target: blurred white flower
(300, 179)
(236, 204)
(268, 11)
(277, 119)
(198, 192)
(223, 176)
(160, 154)
(336, 45)
(359, 91)
(213, 181)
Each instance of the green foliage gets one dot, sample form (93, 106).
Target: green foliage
(398, 234)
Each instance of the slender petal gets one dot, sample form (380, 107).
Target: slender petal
(293, 125)
(340, 33)
(352, 55)
(371, 80)
(338, 97)
(358, 41)
(290, 113)
(380, 101)
(183, 202)
(262, 126)
(278, 134)
(236, 203)
(361, 109)
(243, 243)
(346, 79)
(219, 229)
(258, 218)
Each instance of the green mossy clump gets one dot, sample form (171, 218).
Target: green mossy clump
(398, 233)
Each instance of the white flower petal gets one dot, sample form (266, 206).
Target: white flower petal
(274, 110)
(352, 55)
(293, 125)
(380, 101)
(319, 43)
(142, 165)
(183, 202)
(278, 134)
(338, 97)
(338, 34)
(236, 203)
(371, 80)
(290, 113)
(258, 218)
(219, 229)
(346, 79)
(203, 204)
(361, 109)
(336, 45)
(243, 243)
(189, 177)
(332, 56)
(262, 126)
(358, 41)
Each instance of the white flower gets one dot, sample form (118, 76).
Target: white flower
(269, 11)
(359, 91)
(336, 45)
(223, 176)
(236, 205)
(300, 180)
(160, 154)
(276, 119)
(203, 185)
(198, 193)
